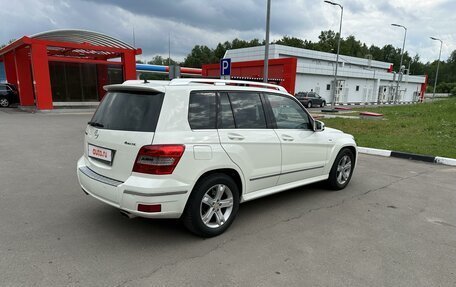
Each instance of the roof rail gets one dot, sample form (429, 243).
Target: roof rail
(186, 81)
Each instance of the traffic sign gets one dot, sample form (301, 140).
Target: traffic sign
(225, 68)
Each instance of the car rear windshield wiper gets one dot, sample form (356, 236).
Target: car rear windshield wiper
(95, 124)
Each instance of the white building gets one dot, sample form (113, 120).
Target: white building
(360, 80)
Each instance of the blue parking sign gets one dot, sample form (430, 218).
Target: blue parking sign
(225, 67)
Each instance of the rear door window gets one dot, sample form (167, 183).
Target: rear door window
(129, 111)
(202, 110)
(248, 110)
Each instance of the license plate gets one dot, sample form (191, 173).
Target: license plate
(100, 153)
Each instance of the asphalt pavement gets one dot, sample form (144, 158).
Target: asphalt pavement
(394, 225)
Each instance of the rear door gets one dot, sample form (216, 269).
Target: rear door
(304, 151)
(122, 124)
(245, 136)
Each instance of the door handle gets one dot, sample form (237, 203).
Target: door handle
(287, 138)
(237, 137)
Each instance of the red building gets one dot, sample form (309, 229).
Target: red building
(280, 71)
(66, 66)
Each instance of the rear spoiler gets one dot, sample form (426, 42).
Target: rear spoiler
(139, 88)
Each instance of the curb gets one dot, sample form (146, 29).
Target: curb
(374, 103)
(406, 155)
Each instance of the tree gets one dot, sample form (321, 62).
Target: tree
(159, 60)
(204, 55)
(352, 47)
(416, 67)
(376, 52)
(294, 42)
(156, 60)
(198, 56)
(220, 50)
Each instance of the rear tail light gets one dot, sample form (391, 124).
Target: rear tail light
(158, 159)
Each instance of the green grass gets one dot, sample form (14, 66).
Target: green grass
(428, 129)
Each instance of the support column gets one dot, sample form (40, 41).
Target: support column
(377, 90)
(10, 68)
(41, 77)
(129, 65)
(24, 77)
(102, 80)
(289, 74)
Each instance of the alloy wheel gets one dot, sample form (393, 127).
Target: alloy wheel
(344, 168)
(4, 102)
(216, 206)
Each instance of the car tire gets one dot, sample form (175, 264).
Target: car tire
(323, 104)
(309, 105)
(341, 170)
(212, 206)
(4, 103)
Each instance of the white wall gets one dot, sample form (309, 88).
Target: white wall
(368, 89)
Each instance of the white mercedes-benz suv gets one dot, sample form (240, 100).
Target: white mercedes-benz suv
(196, 148)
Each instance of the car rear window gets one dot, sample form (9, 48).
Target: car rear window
(129, 111)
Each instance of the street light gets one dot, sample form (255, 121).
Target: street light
(266, 46)
(338, 49)
(402, 56)
(438, 64)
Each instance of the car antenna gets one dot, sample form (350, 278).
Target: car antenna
(146, 81)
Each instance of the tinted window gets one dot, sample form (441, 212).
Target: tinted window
(287, 113)
(129, 111)
(226, 119)
(201, 110)
(3, 88)
(248, 110)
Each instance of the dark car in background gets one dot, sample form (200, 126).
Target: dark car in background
(8, 95)
(310, 99)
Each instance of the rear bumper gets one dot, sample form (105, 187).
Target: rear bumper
(171, 194)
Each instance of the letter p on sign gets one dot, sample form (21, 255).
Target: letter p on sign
(225, 68)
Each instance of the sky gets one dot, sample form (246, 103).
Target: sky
(208, 22)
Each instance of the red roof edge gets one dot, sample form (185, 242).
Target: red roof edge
(16, 44)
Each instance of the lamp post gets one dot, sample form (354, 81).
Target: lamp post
(402, 57)
(338, 50)
(438, 64)
(266, 46)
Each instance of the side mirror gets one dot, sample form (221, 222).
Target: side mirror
(319, 126)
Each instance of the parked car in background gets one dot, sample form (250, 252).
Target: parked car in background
(310, 99)
(196, 148)
(8, 95)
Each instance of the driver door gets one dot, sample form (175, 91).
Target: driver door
(304, 152)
